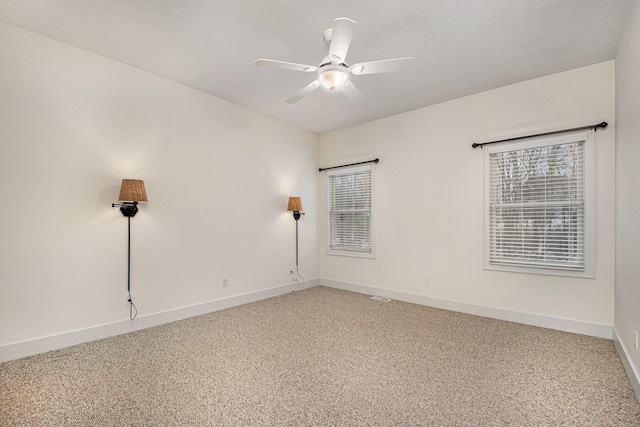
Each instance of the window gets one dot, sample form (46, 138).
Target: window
(350, 211)
(539, 205)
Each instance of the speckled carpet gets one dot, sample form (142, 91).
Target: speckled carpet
(325, 357)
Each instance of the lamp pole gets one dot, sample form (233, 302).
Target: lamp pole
(296, 216)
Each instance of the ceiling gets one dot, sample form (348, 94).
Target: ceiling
(461, 46)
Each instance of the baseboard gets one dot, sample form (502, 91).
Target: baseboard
(567, 325)
(43, 344)
(31, 347)
(629, 367)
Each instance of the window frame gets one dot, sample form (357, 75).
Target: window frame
(348, 170)
(588, 201)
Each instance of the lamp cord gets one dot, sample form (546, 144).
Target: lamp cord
(297, 277)
(132, 306)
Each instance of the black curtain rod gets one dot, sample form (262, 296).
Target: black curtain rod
(594, 127)
(350, 164)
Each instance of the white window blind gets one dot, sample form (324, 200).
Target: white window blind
(537, 204)
(350, 215)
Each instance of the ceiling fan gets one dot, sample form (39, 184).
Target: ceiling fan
(333, 73)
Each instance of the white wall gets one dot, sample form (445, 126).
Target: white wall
(627, 318)
(429, 196)
(72, 125)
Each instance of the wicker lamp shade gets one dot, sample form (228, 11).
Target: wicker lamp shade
(132, 190)
(295, 204)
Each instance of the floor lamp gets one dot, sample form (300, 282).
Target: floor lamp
(295, 206)
(132, 192)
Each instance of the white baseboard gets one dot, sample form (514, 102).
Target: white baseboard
(31, 347)
(629, 367)
(567, 325)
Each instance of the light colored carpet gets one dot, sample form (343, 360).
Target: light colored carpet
(325, 357)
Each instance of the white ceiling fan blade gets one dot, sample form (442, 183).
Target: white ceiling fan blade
(384, 66)
(304, 92)
(341, 35)
(270, 63)
(353, 94)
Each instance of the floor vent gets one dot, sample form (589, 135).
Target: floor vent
(383, 299)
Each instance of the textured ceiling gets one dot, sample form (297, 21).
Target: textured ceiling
(461, 46)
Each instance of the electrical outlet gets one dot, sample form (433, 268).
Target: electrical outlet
(636, 332)
(225, 282)
(427, 281)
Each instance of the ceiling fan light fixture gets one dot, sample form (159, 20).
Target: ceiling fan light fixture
(333, 76)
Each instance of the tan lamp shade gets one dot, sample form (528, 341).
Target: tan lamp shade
(295, 204)
(132, 190)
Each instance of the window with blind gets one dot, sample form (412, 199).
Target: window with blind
(539, 201)
(350, 211)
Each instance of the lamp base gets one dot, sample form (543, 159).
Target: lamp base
(129, 209)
